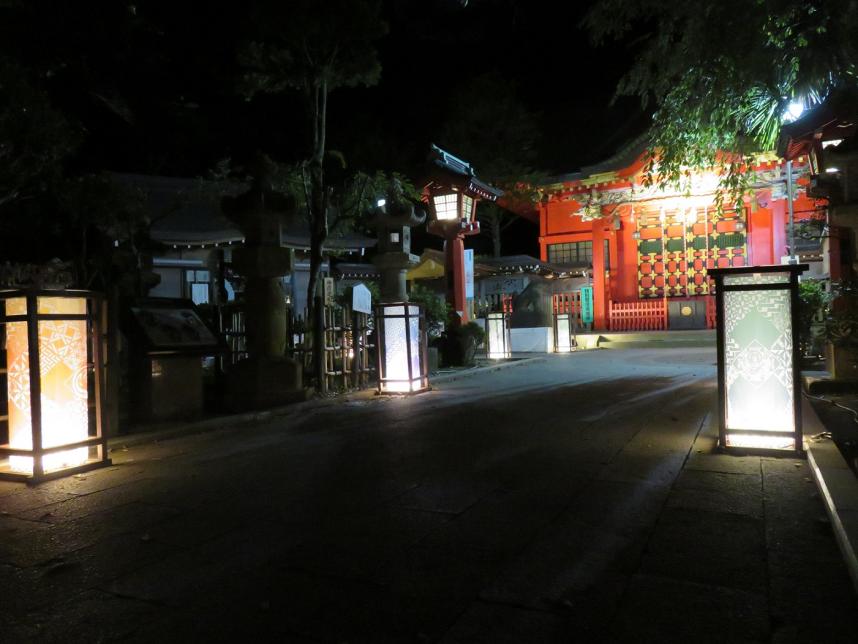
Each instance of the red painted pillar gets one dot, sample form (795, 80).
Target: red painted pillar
(779, 224)
(454, 271)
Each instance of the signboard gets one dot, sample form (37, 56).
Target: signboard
(361, 299)
(587, 304)
(173, 325)
(329, 291)
(469, 273)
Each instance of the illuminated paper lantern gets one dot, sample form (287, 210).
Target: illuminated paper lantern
(758, 361)
(497, 336)
(51, 339)
(564, 332)
(402, 348)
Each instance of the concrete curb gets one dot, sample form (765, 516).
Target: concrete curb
(838, 487)
(190, 428)
(449, 377)
(821, 385)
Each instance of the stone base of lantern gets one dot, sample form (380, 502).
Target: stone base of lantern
(259, 384)
(31, 479)
(841, 362)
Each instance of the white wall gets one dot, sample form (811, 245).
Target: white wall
(171, 282)
(532, 340)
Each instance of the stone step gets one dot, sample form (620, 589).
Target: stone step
(651, 339)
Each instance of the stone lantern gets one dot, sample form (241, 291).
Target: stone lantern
(400, 327)
(267, 377)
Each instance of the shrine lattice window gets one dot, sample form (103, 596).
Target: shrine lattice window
(571, 253)
(677, 246)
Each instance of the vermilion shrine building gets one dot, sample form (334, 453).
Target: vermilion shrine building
(649, 250)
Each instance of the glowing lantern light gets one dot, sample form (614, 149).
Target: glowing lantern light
(564, 332)
(758, 363)
(452, 196)
(51, 339)
(402, 353)
(497, 336)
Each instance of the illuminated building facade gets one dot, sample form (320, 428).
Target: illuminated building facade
(651, 249)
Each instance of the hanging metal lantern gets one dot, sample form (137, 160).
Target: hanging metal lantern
(54, 385)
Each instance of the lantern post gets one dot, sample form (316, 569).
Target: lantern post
(564, 331)
(452, 196)
(400, 326)
(759, 390)
(498, 345)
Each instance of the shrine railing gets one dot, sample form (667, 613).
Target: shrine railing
(642, 315)
(569, 303)
(492, 303)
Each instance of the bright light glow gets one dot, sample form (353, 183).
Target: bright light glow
(833, 143)
(396, 348)
(467, 207)
(381, 203)
(63, 371)
(758, 361)
(497, 337)
(793, 111)
(832, 170)
(446, 207)
(755, 441)
(686, 216)
(563, 341)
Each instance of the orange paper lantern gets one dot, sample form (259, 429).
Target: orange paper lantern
(51, 340)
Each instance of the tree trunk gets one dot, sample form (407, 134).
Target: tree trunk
(315, 313)
(496, 234)
(318, 209)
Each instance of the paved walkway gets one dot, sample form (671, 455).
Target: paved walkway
(573, 499)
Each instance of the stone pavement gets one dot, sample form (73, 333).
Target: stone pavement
(576, 499)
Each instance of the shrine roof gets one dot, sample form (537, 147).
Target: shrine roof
(187, 211)
(354, 270)
(623, 158)
(605, 170)
(522, 264)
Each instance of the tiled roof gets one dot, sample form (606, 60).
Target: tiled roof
(187, 211)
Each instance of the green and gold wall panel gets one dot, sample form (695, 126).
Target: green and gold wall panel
(677, 246)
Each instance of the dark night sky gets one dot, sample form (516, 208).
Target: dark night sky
(153, 83)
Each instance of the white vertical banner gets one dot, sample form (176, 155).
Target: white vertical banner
(329, 290)
(469, 273)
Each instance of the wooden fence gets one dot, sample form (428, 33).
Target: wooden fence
(348, 361)
(492, 303)
(649, 315)
(348, 351)
(569, 303)
(641, 315)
